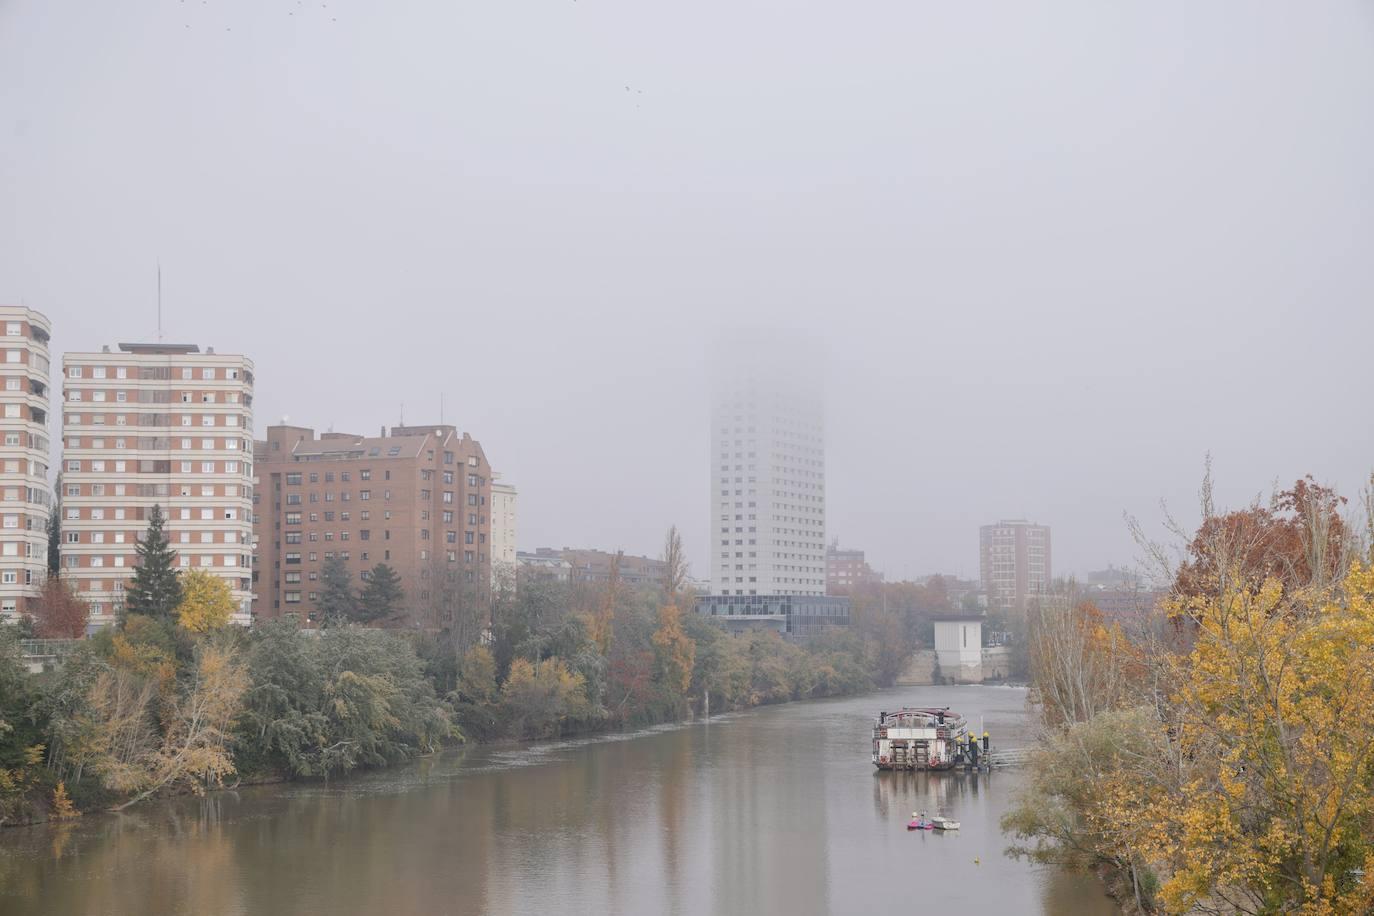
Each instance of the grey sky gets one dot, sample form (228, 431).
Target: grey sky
(1057, 251)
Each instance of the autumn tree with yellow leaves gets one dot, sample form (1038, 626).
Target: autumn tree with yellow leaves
(1230, 770)
(1273, 807)
(206, 602)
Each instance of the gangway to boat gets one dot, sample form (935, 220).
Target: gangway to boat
(1008, 756)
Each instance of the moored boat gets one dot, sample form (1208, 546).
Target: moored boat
(921, 738)
(944, 823)
(920, 822)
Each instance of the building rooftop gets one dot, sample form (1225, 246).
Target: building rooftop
(159, 348)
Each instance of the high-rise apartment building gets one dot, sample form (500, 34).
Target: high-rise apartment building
(25, 500)
(768, 492)
(417, 500)
(156, 424)
(768, 483)
(503, 524)
(1014, 560)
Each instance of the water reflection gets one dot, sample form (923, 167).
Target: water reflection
(776, 811)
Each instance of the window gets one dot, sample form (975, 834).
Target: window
(74, 372)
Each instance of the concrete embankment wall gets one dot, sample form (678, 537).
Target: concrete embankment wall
(920, 669)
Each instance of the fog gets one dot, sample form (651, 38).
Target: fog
(1055, 253)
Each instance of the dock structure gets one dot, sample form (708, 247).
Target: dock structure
(936, 738)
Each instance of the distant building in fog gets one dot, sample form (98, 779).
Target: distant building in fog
(1014, 562)
(503, 526)
(543, 564)
(591, 566)
(767, 500)
(1111, 577)
(844, 569)
(1126, 602)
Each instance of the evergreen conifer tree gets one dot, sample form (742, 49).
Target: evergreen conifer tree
(338, 600)
(55, 538)
(155, 589)
(381, 598)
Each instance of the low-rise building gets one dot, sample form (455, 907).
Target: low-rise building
(794, 616)
(593, 566)
(543, 565)
(959, 648)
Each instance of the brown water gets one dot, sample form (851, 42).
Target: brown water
(776, 810)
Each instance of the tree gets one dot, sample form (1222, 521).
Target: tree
(1080, 665)
(381, 598)
(1273, 802)
(59, 612)
(338, 598)
(540, 697)
(155, 589)
(603, 619)
(55, 534)
(673, 650)
(674, 566)
(195, 745)
(206, 602)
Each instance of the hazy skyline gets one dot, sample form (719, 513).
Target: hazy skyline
(1056, 253)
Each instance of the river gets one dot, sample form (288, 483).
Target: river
(776, 810)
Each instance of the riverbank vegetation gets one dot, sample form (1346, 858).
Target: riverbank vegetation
(1217, 756)
(175, 699)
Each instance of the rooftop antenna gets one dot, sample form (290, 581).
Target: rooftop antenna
(441, 408)
(159, 300)
(403, 413)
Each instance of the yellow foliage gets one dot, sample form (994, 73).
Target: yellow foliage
(675, 651)
(62, 807)
(1275, 731)
(206, 602)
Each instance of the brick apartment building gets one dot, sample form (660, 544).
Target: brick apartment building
(1014, 563)
(156, 424)
(845, 569)
(417, 500)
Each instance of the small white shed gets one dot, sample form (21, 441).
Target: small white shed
(959, 648)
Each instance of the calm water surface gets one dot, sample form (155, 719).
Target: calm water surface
(772, 811)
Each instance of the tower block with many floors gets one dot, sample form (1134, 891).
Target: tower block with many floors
(156, 424)
(25, 499)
